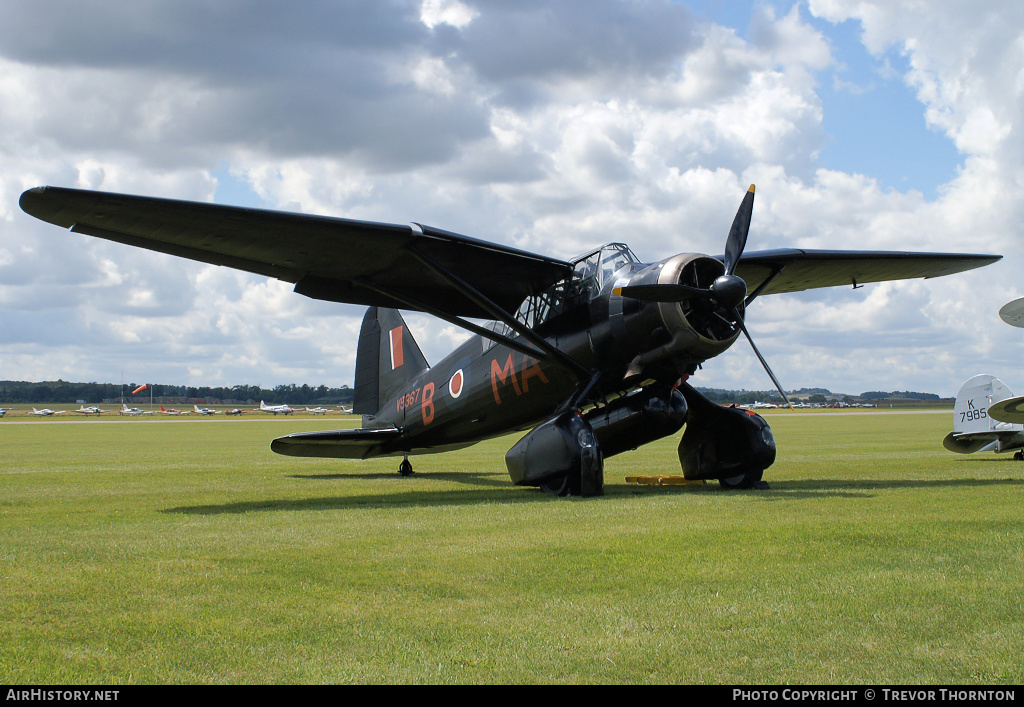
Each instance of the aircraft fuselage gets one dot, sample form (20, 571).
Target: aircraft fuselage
(485, 389)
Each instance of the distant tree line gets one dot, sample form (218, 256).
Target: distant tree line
(817, 395)
(898, 395)
(61, 391)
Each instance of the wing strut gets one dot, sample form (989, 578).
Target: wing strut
(764, 285)
(416, 305)
(559, 357)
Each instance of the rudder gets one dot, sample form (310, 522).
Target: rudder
(387, 357)
(970, 410)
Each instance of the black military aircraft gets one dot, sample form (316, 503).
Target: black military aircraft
(591, 355)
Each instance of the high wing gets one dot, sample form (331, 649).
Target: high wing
(1010, 410)
(772, 272)
(411, 267)
(1013, 312)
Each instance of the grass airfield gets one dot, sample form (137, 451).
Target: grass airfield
(184, 551)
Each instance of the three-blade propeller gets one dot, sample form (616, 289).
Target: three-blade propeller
(727, 291)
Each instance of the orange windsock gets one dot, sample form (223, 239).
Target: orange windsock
(141, 387)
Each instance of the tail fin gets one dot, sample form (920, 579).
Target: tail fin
(970, 411)
(386, 359)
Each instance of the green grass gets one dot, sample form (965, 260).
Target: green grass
(186, 552)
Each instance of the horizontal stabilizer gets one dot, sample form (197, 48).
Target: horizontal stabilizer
(971, 442)
(337, 444)
(968, 443)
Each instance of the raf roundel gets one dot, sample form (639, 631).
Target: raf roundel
(455, 384)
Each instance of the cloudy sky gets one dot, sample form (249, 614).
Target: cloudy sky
(550, 126)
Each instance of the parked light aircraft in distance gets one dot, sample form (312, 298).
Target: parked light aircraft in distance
(283, 409)
(3, 411)
(91, 410)
(234, 411)
(590, 355)
(317, 410)
(172, 411)
(760, 406)
(204, 411)
(47, 412)
(978, 415)
(125, 410)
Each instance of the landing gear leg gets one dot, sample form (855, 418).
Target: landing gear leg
(405, 468)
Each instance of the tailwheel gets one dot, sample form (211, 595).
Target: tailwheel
(747, 480)
(1019, 456)
(405, 468)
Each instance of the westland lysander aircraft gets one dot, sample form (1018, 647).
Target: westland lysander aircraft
(986, 418)
(591, 355)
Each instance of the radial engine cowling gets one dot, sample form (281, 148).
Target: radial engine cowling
(695, 326)
(716, 327)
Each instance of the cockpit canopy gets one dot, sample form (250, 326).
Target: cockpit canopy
(592, 272)
(596, 269)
